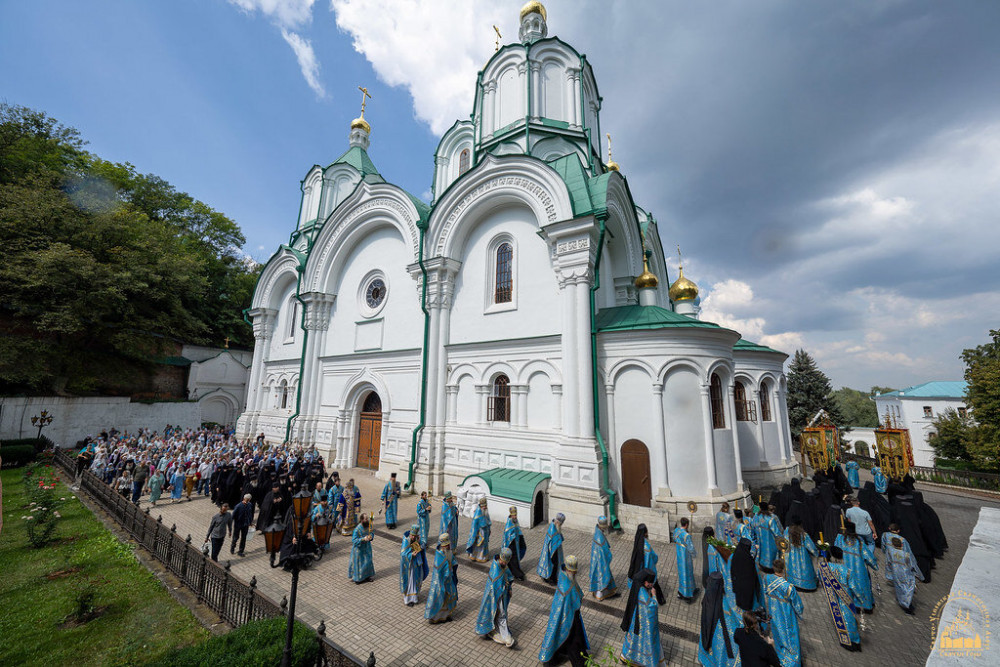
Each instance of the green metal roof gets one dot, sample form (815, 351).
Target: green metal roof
(358, 158)
(747, 346)
(624, 318)
(588, 194)
(934, 389)
(513, 484)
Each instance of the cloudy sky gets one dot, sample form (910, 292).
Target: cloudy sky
(831, 169)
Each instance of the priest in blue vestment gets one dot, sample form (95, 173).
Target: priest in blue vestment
(799, 570)
(565, 636)
(513, 539)
(478, 545)
(412, 566)
(784, 606)
(858, 558)
(881, 481)
(449, 518)
(852, 474)
(361, 568)
(685, 561)
(602, 582)
(902, 571)
(443, 595)
(841, 600)
(492, 619)
(725, 527)
(551, 558)
(390, 501)
(424, 518)
(767, 528)
(641, 621)
(348, 504)
(745, 531)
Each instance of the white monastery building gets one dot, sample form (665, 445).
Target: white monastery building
(915, 408)
(520, 323)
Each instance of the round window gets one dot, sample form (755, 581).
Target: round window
(375, 293)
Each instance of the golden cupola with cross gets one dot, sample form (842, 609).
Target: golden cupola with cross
(684, 292)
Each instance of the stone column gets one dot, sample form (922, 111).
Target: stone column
(779, 408)
(572, 98)
(535, 76)
(760, 432)
(263, 329)
(452, 416)
(731, 409)
(482, 392)
(609, 426)
(519, 405)
(489, 108)
(706, 401)
(585, 366)
(660, 476)
(557, 392)
(317, 322)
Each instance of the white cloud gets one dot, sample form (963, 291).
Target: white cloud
(307, 60)
(432, 49)
(285, 13)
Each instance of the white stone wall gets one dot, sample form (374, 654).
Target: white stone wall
(76, 418)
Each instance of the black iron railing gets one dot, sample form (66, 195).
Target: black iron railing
(968, 479)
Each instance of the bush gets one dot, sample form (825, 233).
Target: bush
(38, 444)
(16, 455)
(256, 644)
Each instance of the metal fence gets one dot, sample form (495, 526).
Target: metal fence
(235, 601)
(964, 478)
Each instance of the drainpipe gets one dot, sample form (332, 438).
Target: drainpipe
(423, 367)
(605, 475)
(302, 356)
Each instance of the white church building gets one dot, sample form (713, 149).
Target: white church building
(519, 323)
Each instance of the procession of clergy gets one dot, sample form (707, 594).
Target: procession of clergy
(753, 569)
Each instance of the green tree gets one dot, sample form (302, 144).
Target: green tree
(809, 391)
(952, 436)
(982, 373)
(857, 407)
(103, 266)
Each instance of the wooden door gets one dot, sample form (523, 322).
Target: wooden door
(370, 432)
(637, 488)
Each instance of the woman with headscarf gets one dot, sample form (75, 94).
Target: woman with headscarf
(643, 555)
(641, 621)
(799, 570)
(715, 646)
(743, 573)
(785, 503)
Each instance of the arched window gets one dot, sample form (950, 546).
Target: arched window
(283, 394)
(765, 402)
(293, 318)
(463, 161)
(740, 392)
(498, 409)
(503, 290)
(718, 416)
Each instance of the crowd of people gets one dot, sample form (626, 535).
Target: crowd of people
(755, 560)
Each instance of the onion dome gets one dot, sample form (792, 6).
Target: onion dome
(361, 124)
(534, 6)
(648, 279)
(683, 289)
(612, 165)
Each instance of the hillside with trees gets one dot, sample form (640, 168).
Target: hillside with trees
(105, 269)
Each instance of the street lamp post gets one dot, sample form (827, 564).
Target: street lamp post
(297, 559)
(41, 421)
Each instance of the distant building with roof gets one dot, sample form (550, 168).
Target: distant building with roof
(521, 321)
(915, 408)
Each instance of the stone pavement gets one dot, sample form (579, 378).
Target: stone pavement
(372, 617)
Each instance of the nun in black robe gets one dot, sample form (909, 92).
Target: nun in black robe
(785, 503)
(746, 582)
(817, 510)
(831, 522)
(930, 524)
(706, 533)
(270, 508)
(909, 527)
(638, 560)
(638, 581)
(307, 545)
(713, 613)
(877, 507)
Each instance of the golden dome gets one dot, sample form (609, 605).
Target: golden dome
(612, 165)
(534, 6)
(648, 279)
(683, 289)
(361, 124)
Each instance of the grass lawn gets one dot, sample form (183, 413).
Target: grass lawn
(140, 622)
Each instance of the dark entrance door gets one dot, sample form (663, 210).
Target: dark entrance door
(637, 488)
(370, 432)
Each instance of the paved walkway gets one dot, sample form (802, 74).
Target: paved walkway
(372, 617)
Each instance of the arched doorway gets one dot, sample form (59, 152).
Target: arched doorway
(637, 488)
(370, 432)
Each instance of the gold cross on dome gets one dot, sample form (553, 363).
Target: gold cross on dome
(227, 342)
(680, 261)
(608, 135)
(497, 30)
(364, 101)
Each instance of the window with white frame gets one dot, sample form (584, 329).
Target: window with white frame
(463, 161)
(502, 269)
(498, 407)
(765, 402)
(293, 318)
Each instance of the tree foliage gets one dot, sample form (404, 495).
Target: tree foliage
(857, 407)
(103, 266)
(809, 391)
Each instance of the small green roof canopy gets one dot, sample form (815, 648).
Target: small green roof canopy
(514, 484)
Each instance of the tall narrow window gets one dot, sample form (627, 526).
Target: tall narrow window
(503, 290)
(718, 416)
(293, 317)
(765, 402)
(283, 394)
(740, 394)
(498, 409)
(463, 162)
